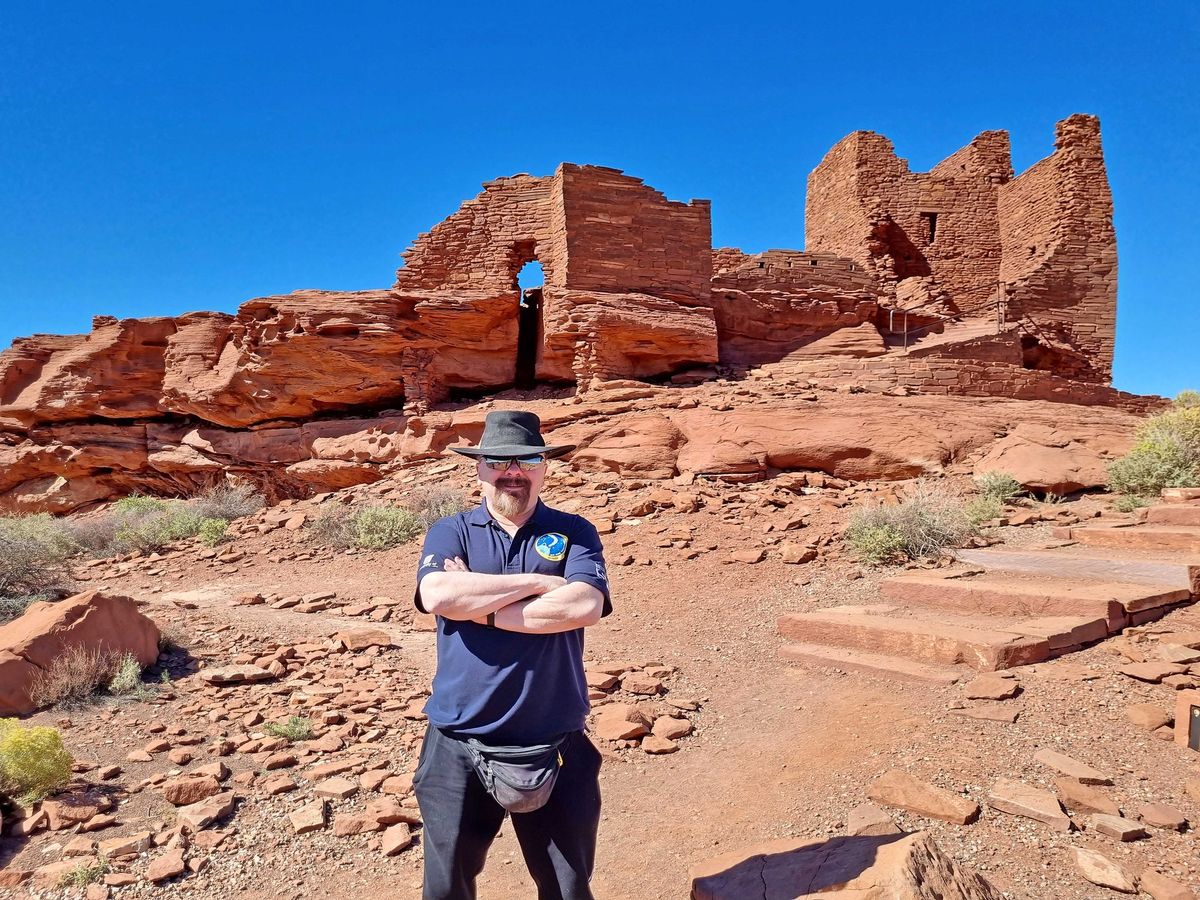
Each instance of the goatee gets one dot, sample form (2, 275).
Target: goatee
(510, 499)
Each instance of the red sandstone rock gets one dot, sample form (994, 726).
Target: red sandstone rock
(897, 788)
(93, 621)
(905, 867)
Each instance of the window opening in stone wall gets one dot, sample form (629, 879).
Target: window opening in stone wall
(530, 281)
(930, 221)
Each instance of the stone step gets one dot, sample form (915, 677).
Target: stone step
(1008, 594)
(914, 638)
(1152, 538)
(1174, 514)
(871, 663)
(1180, 495)
(1171, 571)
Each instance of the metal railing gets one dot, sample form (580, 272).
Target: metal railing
(1000, 304)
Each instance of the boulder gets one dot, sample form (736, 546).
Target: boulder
(898, 867)
(1062, 461)
(92, 621)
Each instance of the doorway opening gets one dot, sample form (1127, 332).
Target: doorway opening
(529, 324)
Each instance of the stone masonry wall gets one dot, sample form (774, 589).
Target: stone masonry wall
(1060, 250)
(900, 224)
(623, 236)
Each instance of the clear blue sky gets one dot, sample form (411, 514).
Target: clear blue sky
(158, 158)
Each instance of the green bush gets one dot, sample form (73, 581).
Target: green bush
(998, 486)
(296, 728)
(383, 527)
(1127, 503)
(34, 551)
(33, 761)
(213, 531)
(984, 509)
(928, 520)
(85, 873)
(127, 679)
(875, 544)
(138, 505)
(367, 528)
(1166, 453)
(1187, 399)
(153, 528)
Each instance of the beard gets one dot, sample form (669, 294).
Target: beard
(511, 497)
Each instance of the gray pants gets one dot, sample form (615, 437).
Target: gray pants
(461, 820)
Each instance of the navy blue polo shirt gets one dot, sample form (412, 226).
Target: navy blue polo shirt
(504, 687)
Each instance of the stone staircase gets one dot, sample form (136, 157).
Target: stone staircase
(998, 608)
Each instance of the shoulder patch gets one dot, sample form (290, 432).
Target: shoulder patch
(551, 546)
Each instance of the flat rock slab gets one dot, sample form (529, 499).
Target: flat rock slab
(235, 675)
(1176, 653)
(310, 817)
(1148, 715)
(1099, 869)
(1117, 827)
(1072, 768)
(992, 687)
(869, 819)
(901, 866)
(1160, 887)
(1153, 672)
(1020, 799)
(1083, 798)
(897, 788)
(1160, 815)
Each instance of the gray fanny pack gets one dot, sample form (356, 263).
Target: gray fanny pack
(520, 779)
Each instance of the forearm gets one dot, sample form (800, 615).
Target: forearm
(574, 605)
(470, 595)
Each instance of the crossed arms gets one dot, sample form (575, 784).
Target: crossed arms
(525, 602)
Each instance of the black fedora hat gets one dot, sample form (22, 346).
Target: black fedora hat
(511, 433)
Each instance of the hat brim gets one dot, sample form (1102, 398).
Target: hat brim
(512, 451)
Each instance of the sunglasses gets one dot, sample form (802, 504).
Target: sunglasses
(525, 463)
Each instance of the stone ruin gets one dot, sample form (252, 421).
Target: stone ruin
(962, 280)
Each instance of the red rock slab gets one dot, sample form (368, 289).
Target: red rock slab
(1116, 827)
(1072, 768)
(166, 867)
(396, 839)
(909, 865)
(1099, 869)
(992, 687)
(1084, 798)
(862, 661)
(1064, 631)
(1160, 887)
(897, 788)
(924, 640)
(869, 819)
(1115, 565)
(1160, 815)
(1148, 715)
(1152, 672)
(310, 817)
(1019, 799)
(1183, 538)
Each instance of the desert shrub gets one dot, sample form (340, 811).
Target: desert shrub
(431, 504)
(983, 509)
(33, 561)
(929, 519)
(1129, 502)
(154, 528)
(213, 531)
(382, 527)
(296, 728)
(33, 761)
(73, 677)
(86, 873)
(95, 536)
(138, 505)
(227, 502)
(998, 486)
(127, 678)
(1166, 453)
(367, 528)
(1186, 399)
(875, 544)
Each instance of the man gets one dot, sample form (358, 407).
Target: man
(513, 584)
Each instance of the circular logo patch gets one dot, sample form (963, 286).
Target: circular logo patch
(551, 546)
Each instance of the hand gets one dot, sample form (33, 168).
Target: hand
(455, 565)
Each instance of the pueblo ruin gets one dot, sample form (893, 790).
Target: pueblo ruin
(966, 279)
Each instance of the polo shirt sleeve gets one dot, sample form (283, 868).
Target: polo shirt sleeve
(585, 560)
(443, 541)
